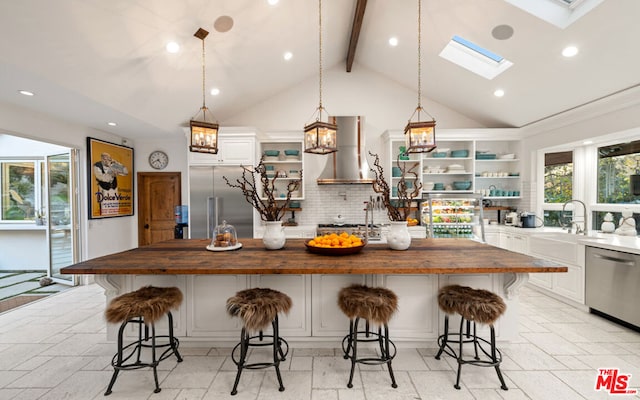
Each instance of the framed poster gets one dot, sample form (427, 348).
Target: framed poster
(110, 172)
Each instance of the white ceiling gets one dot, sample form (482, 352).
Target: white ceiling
(93, 61)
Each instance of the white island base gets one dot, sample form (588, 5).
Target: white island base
(315, 319)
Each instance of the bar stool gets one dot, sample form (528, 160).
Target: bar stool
(143, 307)
(473, 305)
(374, 305)
(258, 308)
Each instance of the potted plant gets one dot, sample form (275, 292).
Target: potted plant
(398, 210)
(254, 182)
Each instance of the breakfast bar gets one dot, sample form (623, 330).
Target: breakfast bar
(208, 278)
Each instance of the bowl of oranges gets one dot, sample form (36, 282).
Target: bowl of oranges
(335, 244)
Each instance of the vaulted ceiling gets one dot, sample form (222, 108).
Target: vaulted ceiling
(92, 61)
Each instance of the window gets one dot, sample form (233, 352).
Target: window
(558, 185)
(18, 190)
(616, 166)
(474, 58)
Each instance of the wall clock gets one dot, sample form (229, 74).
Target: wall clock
(158, 159)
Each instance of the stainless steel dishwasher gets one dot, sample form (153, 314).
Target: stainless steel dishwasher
(613, 284)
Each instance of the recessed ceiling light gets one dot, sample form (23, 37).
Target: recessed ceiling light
(272, 2)
(393, 41)
(26, 92)
(498, 93)
(288, 55)
(173, 47)
(570, 51)
(588, 142)
(215, 91)
(111, 123)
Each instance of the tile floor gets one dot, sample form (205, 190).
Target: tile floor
(55, 349)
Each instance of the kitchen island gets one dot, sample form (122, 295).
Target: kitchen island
(208, 278)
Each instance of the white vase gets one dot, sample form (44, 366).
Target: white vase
(399, 237)
(274, 237)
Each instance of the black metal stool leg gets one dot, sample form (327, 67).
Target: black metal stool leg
(444, 337)
(354, 356)
(495, 359)
(172, 340)
(276, 348)
(154, 363)
(244, 346)
(457, 385)
(349, 341)
(387, 354)
(119, 360)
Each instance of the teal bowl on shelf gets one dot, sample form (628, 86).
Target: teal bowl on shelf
(440, 154)
(272, 153)
(462, 185)
(291, 152)
(459, 153)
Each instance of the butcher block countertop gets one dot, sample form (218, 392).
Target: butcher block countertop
(425, 256)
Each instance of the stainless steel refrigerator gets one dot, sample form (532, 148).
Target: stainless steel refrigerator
(211, 201)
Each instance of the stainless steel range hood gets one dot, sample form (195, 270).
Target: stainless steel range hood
(349, 164)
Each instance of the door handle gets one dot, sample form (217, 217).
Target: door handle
(615, 259)
(146, 226)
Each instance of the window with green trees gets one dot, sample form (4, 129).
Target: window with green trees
(558, 184)
(18, 190)
(617, 166)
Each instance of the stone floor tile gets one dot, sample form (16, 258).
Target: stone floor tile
(194, 372)
(351, 394)
(377, 386)
(433, 385)
(51, 373)
(248, 388)
(82, 385)
(333, 373)
(553, 344)
(297, 386)
(530, 357)
(324, 394)
(301, 363)
(543, 385)
(409, 360)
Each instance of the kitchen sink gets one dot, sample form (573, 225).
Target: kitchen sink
(560, 246)
(565, 237)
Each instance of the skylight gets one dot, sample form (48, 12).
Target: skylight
(560, 13)
(475, 58)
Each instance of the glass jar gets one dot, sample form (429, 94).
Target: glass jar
(224, 235)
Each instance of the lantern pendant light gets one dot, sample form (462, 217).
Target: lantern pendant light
(319, 136)
(204, 131)
(420, 135)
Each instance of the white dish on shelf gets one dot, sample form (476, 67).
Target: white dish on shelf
(271, 158)
(228, 248)
(507, 156)
(292, 158)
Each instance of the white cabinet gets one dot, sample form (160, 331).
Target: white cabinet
(327, 318)
(417, 316)
(298, 288)
(564, 251)
(233, 149)
(515, 242)
(207, 305)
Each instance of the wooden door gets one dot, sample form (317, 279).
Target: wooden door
(158, 194)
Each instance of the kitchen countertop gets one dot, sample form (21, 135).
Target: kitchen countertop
(425, 256)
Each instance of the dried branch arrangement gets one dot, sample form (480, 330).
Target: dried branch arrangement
(270, 207)
(397, 209)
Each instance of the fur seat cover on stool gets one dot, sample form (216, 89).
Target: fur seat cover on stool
(477, 305)
(375, 304)
(258, 307)
(148, 302)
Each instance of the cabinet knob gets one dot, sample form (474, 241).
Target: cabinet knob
(146, 226)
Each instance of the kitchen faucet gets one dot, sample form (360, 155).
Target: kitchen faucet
(584, 214)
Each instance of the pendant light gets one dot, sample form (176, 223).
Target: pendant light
(319, 136)
(420, 135)
(204, 131)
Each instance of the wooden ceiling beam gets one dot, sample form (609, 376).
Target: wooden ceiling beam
(361, 5)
